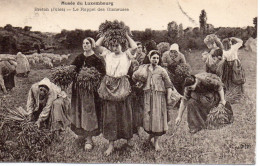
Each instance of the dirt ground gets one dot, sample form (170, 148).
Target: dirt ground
(234, 144)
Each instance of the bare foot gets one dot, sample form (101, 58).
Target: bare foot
(157, 148)
(152, 140)
(109, 150)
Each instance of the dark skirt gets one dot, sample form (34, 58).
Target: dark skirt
(199, 107)
(138, 108)
(117, 119)
(230, 69)
(117, 108)
(85, 113)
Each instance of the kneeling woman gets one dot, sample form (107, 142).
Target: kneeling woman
(203, 92)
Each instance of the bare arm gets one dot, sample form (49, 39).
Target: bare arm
(2, 83)
(132, 44)
(183, 106)
(100, 41)
(221, 95)
(238, 44)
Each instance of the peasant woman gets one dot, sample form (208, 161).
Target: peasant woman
(157, 90)
(203, 92)
(115, 91)
(85, 113)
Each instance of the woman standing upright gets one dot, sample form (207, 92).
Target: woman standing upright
(233, 73)
(115, 90)
(85, 111)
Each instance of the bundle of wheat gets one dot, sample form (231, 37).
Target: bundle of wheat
(179, 72)
(23, 139)
(163, 47)
(89, 79)
(64, 75)
(219, 117)
(114, 33)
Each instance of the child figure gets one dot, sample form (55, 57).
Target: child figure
(157, 89)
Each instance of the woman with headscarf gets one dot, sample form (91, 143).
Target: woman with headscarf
(157, 91)
(48, 106)
(85, 113)
(174, 60)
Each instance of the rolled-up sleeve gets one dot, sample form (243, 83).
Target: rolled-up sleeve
(166, 79)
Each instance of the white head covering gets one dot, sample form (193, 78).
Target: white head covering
(175, 47)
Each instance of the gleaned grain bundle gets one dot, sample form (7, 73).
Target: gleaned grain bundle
(89, 79)
(22, 138)
(63, 75)
(114, 32)
(179, 72)
(163, 47)
(219, 117)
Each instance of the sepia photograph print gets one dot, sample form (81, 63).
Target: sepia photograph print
(128, 81)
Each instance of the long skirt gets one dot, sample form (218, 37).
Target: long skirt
(85, 113)
(155, 113)
(117, 108)
(233, 89)
(138, 108)
(199, 106)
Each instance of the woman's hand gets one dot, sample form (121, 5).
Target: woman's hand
(38, 123)
(178, 121)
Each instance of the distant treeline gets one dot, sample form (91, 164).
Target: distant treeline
(14, 39)
(190, 38)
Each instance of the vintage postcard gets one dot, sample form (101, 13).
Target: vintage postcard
(128, 81)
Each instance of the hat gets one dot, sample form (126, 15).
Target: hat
(175, 47)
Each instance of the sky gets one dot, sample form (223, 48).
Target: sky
(142, 14)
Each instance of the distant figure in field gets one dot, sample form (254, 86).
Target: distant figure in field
(213, 43)
(23, 66)
(140, 55)
(233, 73)
(7, 74)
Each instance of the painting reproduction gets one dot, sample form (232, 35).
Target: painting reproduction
(128, 81)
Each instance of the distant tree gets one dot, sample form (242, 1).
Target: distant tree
(203, 21)
(27, 28)
(210, 28)
(147, 34)
(196, 32)
(255, 23)
(172, 31)
(8, 27)
(181, 32)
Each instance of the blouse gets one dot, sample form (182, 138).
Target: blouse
(231, 54)
(117, 65)
(158, 79)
